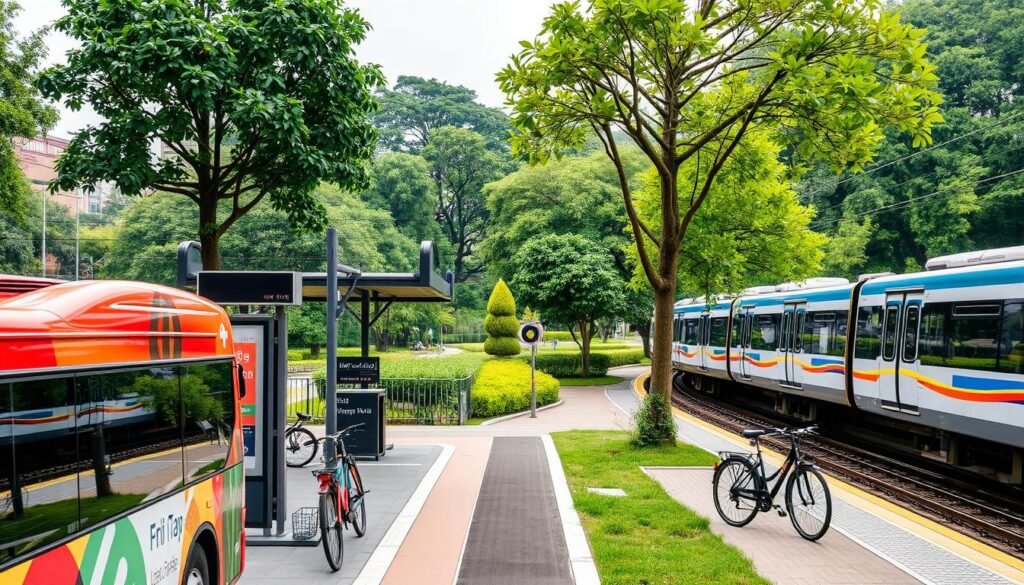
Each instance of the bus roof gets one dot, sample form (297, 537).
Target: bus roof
(12, 286)
(108, 322)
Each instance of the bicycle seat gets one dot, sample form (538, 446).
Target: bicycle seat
(754, 433)
(303, 416)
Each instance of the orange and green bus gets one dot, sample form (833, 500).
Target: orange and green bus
(120, 440)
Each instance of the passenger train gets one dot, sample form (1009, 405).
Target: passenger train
(940, 350)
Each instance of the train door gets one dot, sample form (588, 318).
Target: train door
(793, 317)
(703, 335)
(901, 325)
(744, 317)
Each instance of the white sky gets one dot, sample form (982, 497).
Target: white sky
(463, 42)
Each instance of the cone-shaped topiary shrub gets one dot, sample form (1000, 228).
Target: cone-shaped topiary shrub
(501, 323)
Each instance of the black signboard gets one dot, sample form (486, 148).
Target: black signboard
(358, 370)
(250, 288)
(367, 407)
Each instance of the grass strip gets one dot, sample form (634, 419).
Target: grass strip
(646, 537)
(593, 381)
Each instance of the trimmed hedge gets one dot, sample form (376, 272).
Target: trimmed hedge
(501, 323)
(503, 387)
(624, 357)
(569, 365)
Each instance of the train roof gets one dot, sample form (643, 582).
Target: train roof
(108, 322)
(968, 276)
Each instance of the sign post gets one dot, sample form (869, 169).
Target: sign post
(532, 334)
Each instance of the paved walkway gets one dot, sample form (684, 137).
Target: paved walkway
(778, 552)
(924, 554)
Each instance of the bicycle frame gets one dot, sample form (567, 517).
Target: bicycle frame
(764, 497)
(334, 474)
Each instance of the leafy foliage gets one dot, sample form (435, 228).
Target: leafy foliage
(416, 107)
(402, 185)
(653, 423)
(460, 165)
(503, 387)
(563, 365)
(686, 82)
(572, 281)
(22, 112)
(501, 323)
(255, 100)
(966, 193)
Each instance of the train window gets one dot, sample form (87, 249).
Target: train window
(1011, 347)
(129, 429)
(912, 321)
(976, 311)
(738, 320)
(799, 323)
(869, 333)
(892, 318)
(718, 332)
(932, 338)
(208, 413)
(784, 332)
(691, 330)
(763, 333)
(39, 465)
(973, 340)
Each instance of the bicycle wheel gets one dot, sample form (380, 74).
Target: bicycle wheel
(732, 475)
(356, 501)
(330, 530)
(809, 503)
(300, 447)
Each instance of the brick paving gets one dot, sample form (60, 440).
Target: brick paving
(777, 551)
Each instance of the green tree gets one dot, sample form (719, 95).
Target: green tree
(572, 281)
(461, 165)
(307, 326)
(501, 324)
(686, 82)
(255, 100)
(575, 195)
(416, 107)
(22, 113)
(751, 230)
(402, 185)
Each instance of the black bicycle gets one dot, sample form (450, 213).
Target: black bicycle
(741, 486)
(300, 445)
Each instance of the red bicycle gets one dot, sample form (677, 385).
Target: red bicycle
(342, 497)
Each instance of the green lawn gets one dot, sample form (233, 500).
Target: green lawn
(592, 381)
(645, 537)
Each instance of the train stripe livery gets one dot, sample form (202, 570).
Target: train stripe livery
(942, 349)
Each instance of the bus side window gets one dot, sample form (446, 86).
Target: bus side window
(39, 466)
(208, 400)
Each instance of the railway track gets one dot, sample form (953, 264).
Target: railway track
(983, 514)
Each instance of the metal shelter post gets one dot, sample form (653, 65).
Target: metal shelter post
(332, 338)
(280, 405)
(364, 326)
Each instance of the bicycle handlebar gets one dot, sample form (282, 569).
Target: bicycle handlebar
(811, 430)
(346, 431)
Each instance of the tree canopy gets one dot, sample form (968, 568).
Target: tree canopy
(686, 82)
(22, 112)
(570, 280)
(416, 107)
(253, 100)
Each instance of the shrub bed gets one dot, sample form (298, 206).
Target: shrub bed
(503, 386)
(567, 365)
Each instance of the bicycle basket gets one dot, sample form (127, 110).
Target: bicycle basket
(305, 522)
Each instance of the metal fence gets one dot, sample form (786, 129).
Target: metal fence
(418, 401)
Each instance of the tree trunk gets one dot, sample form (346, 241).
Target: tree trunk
(661, 356)
(585, 335)
(314, 350)
(644, 331)
(208, 236)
